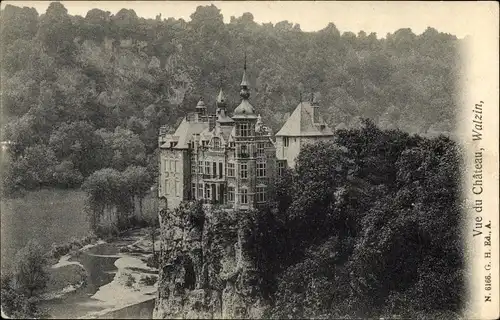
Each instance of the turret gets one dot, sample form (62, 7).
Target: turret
(201, 111)
(245, 110)
(221, 112)
(245, 119)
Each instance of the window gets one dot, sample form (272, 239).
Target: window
(214, 169)
(261, 169)
(243, 171)
(216, 144)
(281, 167)
(230, 193)
(193, 191)
(243, 151)
(200, 167)
(230, 169)
(285, 141)
(177, 189)
(176, 166)
(207, 191)
(167, 187)
(261, 148)
(193, 167)
(221, 170)
(244, 196)
(244, 131)
(261, 194)
(200, 191)
(165, 166)
(207, 167)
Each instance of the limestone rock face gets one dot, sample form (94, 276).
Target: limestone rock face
(205, 272)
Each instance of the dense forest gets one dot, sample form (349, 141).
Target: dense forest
(367, 225)
(81, 94)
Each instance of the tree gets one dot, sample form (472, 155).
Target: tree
(56, 32)
(79, 143)
(66, 176)
(107, 197)
(30, 268)
(206, 19)
(18, 23)
(125, 147)
(15, 304)
(139, 182)
(36, 167)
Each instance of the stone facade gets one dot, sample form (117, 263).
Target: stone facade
(304, 126)
(219, 159)
(233, 161)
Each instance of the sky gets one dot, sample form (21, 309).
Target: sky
(379, 17)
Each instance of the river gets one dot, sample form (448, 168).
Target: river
(104, 294)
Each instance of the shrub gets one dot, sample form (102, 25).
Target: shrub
(148, 280)
(15, 304)
(152, 261)
(30, 268)
(58, 251)
(130, 280)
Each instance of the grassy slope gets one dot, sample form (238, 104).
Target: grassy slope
(47, 216)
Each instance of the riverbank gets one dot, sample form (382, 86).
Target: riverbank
(104, 277)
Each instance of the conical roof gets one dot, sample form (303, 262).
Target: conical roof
(200, 104)
(221, 99)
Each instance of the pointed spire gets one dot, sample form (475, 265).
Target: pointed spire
(201, 103)
(244, 81)
(221, 98)
(244, 91)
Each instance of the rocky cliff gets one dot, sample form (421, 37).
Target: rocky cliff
(205, 269)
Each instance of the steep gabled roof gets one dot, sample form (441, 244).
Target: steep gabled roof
(184, 133)
(301, 124)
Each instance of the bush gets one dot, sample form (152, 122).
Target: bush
(58, 251)
(130, 280)
(107, 232)
(152, 261)
(15, 303)
(148, 280)
(30, 268)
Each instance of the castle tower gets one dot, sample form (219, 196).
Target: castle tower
(245, 156)
(201, 110)
(221, 110)
(304, 126)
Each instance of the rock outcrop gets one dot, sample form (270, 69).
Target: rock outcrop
(205, 268)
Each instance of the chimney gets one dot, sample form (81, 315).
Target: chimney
(211, 122)
(315, 109)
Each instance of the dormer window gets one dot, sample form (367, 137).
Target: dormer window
(216, 144)
(244, 129)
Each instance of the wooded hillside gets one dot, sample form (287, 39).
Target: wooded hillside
(80, 94)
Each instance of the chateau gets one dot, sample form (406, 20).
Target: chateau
(232, 160)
